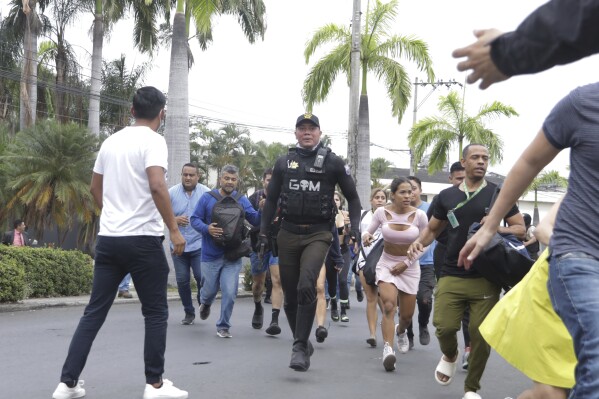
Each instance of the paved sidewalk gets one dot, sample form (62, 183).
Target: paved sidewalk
(40, 303)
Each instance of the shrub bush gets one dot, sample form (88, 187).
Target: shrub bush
(51, 272)
(12, 280)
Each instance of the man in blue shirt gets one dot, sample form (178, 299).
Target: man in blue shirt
(184, 198)
(424, 297)
(216, 269)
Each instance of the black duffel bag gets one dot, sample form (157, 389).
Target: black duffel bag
(504, 261)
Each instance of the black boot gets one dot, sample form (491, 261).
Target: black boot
(343, 315)
(302, 348)
(334, 311)
(274, 328)
(258, 318)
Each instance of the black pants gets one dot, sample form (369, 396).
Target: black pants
(333, 275)
(143, 257)
(301, 257)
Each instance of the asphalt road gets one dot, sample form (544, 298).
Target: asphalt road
(250, 365)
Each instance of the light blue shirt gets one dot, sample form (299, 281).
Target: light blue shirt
(427, 258)
(184, 205)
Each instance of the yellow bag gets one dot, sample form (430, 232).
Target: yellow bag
(525, 330)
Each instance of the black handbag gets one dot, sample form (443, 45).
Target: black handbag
(504, 260)
(369, 269)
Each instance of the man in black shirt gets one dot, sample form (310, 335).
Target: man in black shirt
(261, 265)
(305, 180)
(457, 208)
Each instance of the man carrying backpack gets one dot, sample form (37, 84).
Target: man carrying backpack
(220, 216)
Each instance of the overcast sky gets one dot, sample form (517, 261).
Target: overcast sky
(261, 84)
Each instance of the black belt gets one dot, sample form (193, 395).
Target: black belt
(305, 229)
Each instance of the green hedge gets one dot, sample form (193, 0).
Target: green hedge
(12, 279)
(45, 272)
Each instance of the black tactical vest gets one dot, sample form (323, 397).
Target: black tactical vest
(307, 194)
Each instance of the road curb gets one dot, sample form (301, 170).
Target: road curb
(43, 303)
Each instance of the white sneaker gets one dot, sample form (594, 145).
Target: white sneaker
(64, 392)
(403, 343)
(388, 357)
(166, 391)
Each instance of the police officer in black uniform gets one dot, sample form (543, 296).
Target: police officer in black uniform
(305, 180)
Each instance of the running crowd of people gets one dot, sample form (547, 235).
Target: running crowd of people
(308, 237)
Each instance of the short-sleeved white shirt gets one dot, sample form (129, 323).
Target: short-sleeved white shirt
(127, 205)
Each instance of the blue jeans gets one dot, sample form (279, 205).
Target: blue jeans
(573, 288)
(124, 285)
(144, 258)
(224, 274)
(183, 264)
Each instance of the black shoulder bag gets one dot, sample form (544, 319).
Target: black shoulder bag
(504, 260)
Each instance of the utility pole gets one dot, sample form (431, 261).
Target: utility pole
(447, 83)
(354, 100)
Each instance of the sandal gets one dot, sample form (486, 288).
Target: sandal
(446, 368)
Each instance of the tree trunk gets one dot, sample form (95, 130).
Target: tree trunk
(363, 169)
(93, 118)
(33, 76)
(354, 94)
(177, 116)
(60, 85)
(24, 98)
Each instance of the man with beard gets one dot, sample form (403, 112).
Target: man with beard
(458, 208)
(217, 270)
(184, 198)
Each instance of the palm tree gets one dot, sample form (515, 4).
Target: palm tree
(145, 35)
(118, 86)
(544, 180)
(250, 15)
(454, 127)
(379, 50)
(64, 13)
(378, 168)
(222, 147)
(10, 50)
(47, 170)
(28, 24)
(267, 155)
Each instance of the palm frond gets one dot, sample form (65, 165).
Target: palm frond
(397, 83)
(330, 33)
(322, 75)
(426, 133)
(411, 49)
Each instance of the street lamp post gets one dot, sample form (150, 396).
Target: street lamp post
(446, 83)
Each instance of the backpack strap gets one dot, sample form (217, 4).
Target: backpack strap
(216, 195)
(363, 214)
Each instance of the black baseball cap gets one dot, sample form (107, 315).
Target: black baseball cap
(307, 117)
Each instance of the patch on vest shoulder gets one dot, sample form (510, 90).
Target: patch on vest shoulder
(347, 171)
(292, 165)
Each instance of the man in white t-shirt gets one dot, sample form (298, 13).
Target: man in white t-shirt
(129, 185)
